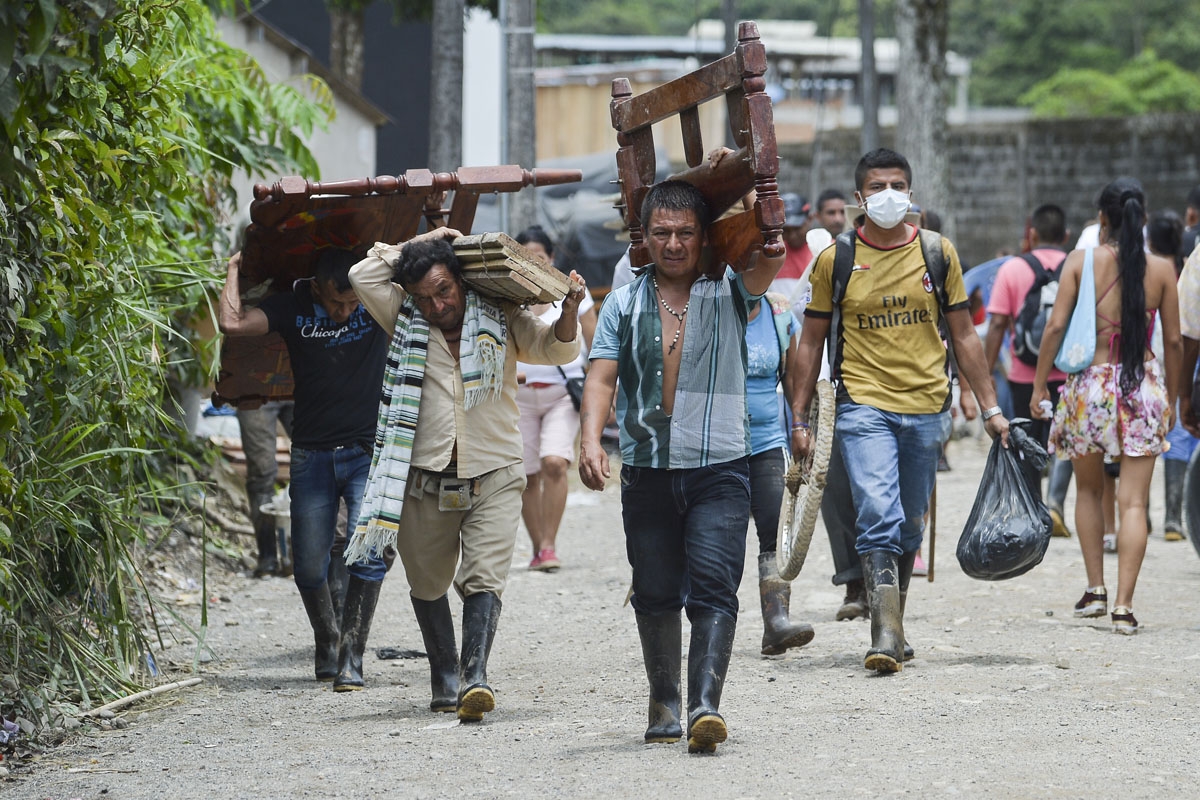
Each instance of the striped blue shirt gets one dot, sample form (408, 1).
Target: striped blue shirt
(709, 424)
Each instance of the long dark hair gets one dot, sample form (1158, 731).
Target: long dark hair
(1124, 204)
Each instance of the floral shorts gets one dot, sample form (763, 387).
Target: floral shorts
(1093, 418)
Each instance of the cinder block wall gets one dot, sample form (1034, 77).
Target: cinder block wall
(999, 173)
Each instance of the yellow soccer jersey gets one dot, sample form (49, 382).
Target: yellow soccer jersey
(888, 352)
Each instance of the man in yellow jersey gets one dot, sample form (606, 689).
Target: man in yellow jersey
(882, 310)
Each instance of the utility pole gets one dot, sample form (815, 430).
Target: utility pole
(870, 78)
(520, 122)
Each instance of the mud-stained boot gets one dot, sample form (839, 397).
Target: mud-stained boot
(361, 597)
(481, 613)
(883, 595)
(662, 642)
(1173, 477)
(905, 565)
(855, 603)
(437, 630)
(338, 578)
(319, 605)
(708, 661)
(775, 595)
(264, 536)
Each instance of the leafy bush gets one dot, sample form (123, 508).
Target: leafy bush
(122, 125)
(1081, 93)
(1145, 85)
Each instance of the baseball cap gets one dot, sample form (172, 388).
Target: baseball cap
(795, 209)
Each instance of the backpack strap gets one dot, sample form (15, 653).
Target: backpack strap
(935, 263)
(843, 264)
(1040, 274)
(936, 266)
(843, 267)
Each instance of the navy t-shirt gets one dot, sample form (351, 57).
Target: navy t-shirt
(338, 370)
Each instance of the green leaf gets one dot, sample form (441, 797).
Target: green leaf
(41, 27)
(8, 48)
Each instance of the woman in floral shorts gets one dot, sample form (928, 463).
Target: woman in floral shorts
(1094, 417)
(1120, 407)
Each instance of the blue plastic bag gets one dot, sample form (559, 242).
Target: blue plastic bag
(1078, 347)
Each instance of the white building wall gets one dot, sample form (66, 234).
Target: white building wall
(346, 149)
(483, 90)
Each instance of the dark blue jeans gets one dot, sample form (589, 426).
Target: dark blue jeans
(767, 470)
(320, 478)
(685, 534)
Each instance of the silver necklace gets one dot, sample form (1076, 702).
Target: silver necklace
(679, 315)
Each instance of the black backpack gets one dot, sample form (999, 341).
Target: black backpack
(1030, 322)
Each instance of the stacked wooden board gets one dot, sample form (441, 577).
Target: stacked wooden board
(496, 265)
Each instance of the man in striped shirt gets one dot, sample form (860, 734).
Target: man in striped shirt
(675, 339)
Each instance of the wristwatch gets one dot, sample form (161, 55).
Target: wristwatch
(988, 413)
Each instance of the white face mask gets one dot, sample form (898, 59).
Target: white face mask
(887, 208)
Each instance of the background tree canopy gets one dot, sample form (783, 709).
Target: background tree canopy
(1013, 45)
(121, 125)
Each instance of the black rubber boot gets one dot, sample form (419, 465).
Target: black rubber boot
(338, 578)
(883, 595)
(708, 661)
(855, 603)
(905, 565)
(264, 536)
(1173, 477)
(775, 595)
(361, 597)
(319, 605)
(662, 643)
(437, 629)
(481, 613)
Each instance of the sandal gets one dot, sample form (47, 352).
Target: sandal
(1123, 621)
(1092, 604)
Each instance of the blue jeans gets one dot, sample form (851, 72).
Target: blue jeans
(891, 460)
(685, 535)
(320, 478)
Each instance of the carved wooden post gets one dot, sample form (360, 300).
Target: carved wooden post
(629, 176)
(769, 212)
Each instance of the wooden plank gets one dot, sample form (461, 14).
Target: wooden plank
(496, 265)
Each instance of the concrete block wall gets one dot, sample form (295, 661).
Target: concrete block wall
(999, 173)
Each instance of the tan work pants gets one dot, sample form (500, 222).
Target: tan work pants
(430, 540)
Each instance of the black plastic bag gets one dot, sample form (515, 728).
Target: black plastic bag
(1009, 528)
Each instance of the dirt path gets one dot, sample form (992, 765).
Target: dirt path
(1009, 694)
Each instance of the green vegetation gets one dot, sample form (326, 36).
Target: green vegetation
(1013, 46)
(121, 125)
(1146, 84)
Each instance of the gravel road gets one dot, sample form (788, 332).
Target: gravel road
(1009, 695)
